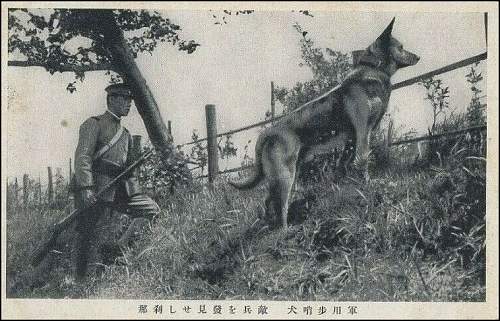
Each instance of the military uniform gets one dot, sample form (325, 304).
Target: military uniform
(94, 172)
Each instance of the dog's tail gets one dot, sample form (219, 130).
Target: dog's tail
(257, 173)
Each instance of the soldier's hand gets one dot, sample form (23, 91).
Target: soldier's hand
(89, 198)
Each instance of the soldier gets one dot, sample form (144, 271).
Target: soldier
(104, 151)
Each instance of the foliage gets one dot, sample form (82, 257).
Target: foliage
(438, 95)
(475, 111)
(247, 159)
(42, 37)
(227, 13)
(328, 67)
(437, 149)
(10, 196)
(160, 175)
(223, 18)
(199, 152)
(156, 176)
(227, 150)
(60, 190)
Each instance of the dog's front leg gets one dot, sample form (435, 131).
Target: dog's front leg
(357, 108)
(362, 157)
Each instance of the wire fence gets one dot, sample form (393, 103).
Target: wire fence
(396, 86)
(399, 85)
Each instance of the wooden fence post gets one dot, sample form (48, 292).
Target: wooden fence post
(169, 127)
(70, 170)
(50, 187)
(16, 192)
(388, 139)
(40, 201)
(25, 190)
(273, 110)
(212, 149)
(9, 195)
(69, 198)
(486, 28)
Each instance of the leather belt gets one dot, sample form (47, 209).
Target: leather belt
(107, 169)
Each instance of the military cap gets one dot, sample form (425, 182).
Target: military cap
(119, 89)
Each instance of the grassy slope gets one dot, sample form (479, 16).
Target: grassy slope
(412, 236)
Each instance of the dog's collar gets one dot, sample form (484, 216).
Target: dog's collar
(371, 61)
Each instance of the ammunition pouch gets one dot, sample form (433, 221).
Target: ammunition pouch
(130, 181)
(132, 186)
(107, 168)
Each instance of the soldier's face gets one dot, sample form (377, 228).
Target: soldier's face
(119, 105)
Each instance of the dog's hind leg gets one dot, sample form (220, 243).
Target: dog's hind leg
(273, 203)
(280, 190)
(358, 110)
(279, 162)
(286, 185)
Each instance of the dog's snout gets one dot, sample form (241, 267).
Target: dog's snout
(417, 58)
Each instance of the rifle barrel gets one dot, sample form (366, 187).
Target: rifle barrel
(63, 224)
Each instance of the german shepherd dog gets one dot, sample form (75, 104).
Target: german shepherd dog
(349, 111)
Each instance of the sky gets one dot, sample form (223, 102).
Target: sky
(233, 69)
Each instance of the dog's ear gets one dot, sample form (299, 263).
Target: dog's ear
(386, 35)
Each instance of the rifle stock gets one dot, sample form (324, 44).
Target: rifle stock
(56, 230)
(63, 224)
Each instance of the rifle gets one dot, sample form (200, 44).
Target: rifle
(63, 224)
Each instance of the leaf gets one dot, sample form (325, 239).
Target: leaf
(306, 12)
(71, 87)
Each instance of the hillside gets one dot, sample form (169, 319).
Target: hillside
(410, 234)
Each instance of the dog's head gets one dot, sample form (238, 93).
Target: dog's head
(387, 53)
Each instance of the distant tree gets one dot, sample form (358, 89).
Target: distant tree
(329, 68)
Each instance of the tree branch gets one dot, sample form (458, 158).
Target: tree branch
(62, 68)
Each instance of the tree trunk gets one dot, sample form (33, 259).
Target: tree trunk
(124, 62)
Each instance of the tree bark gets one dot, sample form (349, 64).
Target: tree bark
(124, 62)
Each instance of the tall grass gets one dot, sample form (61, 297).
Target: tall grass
(404, 236)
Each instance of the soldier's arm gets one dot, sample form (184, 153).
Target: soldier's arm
(84, 153)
